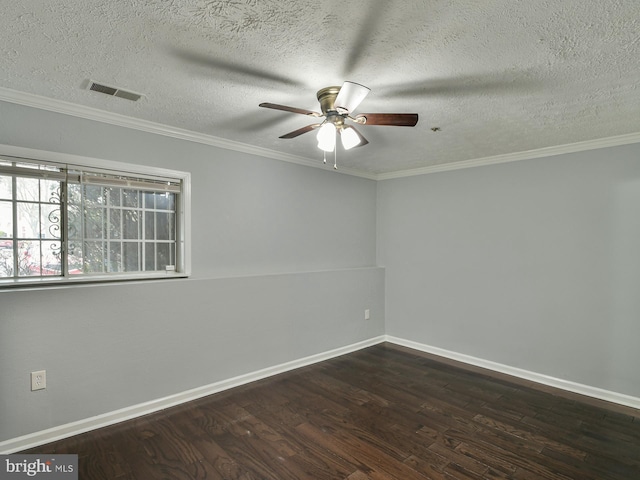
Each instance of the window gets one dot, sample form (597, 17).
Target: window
(84, 223)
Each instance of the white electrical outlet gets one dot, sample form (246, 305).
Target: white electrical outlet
(38, 380)
(367, 316)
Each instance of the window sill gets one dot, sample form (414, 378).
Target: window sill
(44, 282)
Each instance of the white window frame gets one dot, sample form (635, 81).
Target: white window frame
(183, 210)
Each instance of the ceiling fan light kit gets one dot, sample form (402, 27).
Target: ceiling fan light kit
(327, 137)
(337, 105)
(349, 137)
(349, 97)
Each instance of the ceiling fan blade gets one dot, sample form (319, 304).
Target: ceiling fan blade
(511, 82)
(284, 108)
(393, 119)
(350, 96)
(241, 73)
(300, 131)
(368, 31)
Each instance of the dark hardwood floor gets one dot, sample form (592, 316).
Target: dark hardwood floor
(381, 413)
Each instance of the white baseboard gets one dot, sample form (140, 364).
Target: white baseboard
(81, 426)
(567, 385)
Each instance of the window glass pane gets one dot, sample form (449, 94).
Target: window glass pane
(131, 256)
(115, 224)
(75, 258)
(28, 189)
(50, 191)
(28, 220)
(28, 258)
(130, 198)
(94, 257)
(94, 223)
(6, 220)
(74, 209)
(93, 195)
(115, 256)
(6, 187)
(113, 195)
(149, 200)
(165, 201)
(6, 258)
(51, 258)
(149, 225)
(50, 221)
(131, 224)
(163, 257)
(149, 257)
(164, 225)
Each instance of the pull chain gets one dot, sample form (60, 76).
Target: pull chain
(335, 157)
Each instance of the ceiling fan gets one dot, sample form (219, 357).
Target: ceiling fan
(337, 105)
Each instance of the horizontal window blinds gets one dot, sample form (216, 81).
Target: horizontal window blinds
(73, 174)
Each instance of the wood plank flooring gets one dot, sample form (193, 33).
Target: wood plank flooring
(384, 412)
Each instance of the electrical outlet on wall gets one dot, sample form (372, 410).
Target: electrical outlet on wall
(367, 316)
(38, 380)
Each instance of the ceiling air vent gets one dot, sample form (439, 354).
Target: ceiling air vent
(114, 92)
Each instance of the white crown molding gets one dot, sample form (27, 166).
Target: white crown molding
(588, 390)
(90, 113)
(517, 156)
(87, 424)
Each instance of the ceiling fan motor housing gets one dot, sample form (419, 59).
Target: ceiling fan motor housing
(327, 97)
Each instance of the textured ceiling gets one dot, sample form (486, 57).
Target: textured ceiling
(495, 76)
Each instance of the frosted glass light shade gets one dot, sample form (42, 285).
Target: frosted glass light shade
(349, 97)
(349, 138)
(327, 137)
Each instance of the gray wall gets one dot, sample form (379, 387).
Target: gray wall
(532, 264)
(283, 268)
